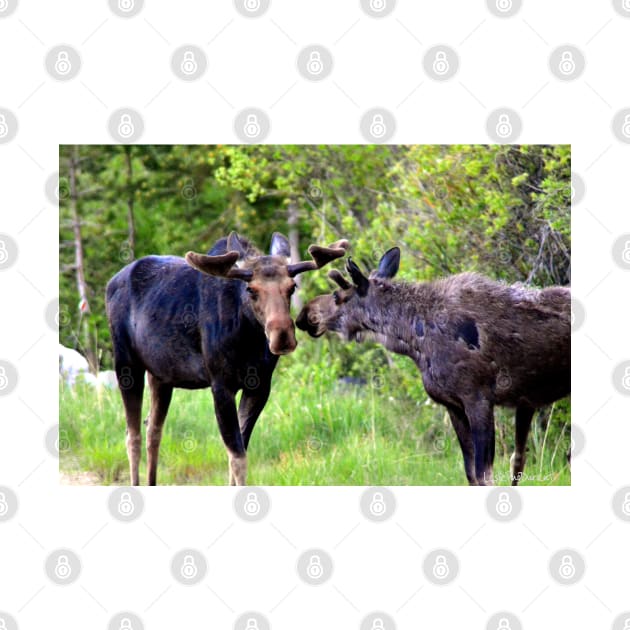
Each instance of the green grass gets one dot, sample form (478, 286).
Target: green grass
(313, 431)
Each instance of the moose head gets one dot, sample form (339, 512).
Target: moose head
(347, 310)
(268, 280)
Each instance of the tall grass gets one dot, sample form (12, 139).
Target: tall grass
(315, 430)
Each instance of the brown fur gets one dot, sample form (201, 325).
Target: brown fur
(478, 343)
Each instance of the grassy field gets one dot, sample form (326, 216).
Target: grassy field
(315, 430)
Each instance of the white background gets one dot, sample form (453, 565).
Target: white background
(251, 62)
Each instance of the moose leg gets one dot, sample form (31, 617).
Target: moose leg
(481, 416)
(131, 384)
(464, 436)
(252, 403)
(160, 399)
(524, 417)
(225, 409)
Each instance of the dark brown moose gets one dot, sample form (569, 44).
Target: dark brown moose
(478, 344)
(218, 320)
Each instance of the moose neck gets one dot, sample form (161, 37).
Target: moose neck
(396, 313)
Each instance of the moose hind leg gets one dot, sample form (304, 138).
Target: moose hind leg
(481, 416)
(131, 384)
(523, 422)
(464, 436)
(227, 418)
(160, 400)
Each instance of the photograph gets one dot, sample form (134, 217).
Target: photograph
(339, 315)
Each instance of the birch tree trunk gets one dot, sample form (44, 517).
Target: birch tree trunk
(294, 244)
(84, 305)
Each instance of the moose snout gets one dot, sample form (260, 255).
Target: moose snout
(281, 337)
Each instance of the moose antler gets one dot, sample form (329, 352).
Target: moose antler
(336, 276)
(221, 265)
(321, 256)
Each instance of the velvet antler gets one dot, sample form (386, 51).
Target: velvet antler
(321, 256)
(221, 265)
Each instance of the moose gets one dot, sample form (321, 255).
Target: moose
(478, 344)
(219, 320)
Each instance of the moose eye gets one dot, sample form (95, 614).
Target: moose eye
(253, 294)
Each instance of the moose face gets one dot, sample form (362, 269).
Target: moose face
(346, 310)
(268, 282)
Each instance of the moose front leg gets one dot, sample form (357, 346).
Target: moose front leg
(481, 416)
(253, 400)
(227, 418)
(464, 436)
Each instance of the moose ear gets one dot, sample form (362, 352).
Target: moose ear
(360, 281)
(280, 246)
(389, 263)
(234, 245)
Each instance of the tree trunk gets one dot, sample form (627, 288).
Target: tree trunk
(84, 305)
(82, 288)
(131, 223)
(294, 244)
